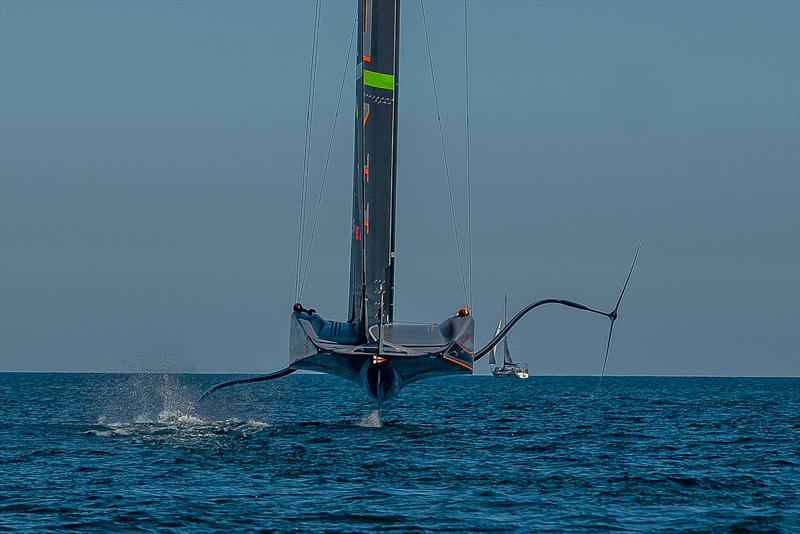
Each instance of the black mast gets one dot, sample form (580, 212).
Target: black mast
(373, 233)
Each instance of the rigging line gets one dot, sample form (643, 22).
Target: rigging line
(303, 176)
(327, 159)
(444, 153)
(306, 150)
(469, 181)
(302, 181)
(310, 130)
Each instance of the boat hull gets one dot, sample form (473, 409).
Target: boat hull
(384, 373)
(516, 372)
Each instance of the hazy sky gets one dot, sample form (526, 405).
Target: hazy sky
(150, 156)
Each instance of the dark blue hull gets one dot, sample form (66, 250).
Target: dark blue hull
(429, 351)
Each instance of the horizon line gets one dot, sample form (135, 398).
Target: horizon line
(314, 373)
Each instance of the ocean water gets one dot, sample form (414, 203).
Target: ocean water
(108, 452)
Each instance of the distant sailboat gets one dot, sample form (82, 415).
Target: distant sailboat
(509, 368)
(370, 347)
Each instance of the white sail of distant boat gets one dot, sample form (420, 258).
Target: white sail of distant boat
(493, 357)
(509, 368)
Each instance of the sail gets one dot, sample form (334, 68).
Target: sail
(506, 353)
(373, 234)
(493, 357)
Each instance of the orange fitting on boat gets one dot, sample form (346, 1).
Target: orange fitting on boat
(463, 312)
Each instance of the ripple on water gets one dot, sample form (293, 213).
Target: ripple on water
(103, 452)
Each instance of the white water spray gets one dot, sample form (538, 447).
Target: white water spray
(371, 420)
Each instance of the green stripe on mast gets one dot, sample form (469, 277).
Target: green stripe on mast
(379, 80)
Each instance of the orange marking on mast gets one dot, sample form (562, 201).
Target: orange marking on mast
(366, 116)
(367, 58)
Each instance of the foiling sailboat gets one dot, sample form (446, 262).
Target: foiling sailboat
(370, 347)
(509, 368)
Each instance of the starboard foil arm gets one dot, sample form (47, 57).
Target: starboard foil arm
(612, 315)
(262, 378)
(523, 312)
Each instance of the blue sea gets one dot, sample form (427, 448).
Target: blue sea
(137, 452)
